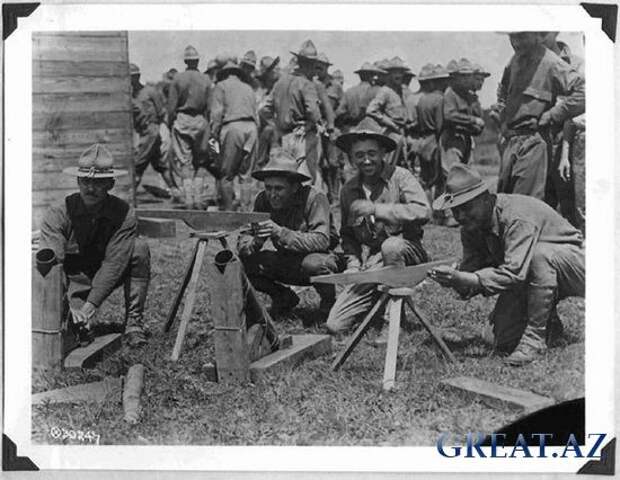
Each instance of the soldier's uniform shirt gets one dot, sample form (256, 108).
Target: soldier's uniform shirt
(429, 123)
(148, 108)
(387, 107)
(232, 101)
(529, 87)
(149, 116)
(411, 100)
(429, 112)
(460, 111)
(188, 93)
(352, 108)
(98, 244)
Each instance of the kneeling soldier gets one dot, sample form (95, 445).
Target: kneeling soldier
(519, 247)
(301, 230)
(383, 209)
(93, 234)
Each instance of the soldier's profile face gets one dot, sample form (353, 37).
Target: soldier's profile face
(94, 190)
(280, 191)
(367, 155)
(472, 215)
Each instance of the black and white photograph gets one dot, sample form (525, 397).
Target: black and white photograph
(245, 236)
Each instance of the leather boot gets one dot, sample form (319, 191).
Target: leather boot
(541, 302)
(135, 298)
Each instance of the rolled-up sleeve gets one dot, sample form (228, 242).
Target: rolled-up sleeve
(412, 206)
(571, 85)
(316, 239)
(519, 239)
(117, 256)
(55, 230)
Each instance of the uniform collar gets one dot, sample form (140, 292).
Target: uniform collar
(105, 210)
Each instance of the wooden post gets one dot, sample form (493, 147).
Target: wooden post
(47, 313)
(395, 306)
(227, 302)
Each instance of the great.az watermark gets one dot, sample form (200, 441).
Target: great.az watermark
(532, 445)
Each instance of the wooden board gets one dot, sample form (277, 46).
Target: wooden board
(109, 389)
(505, 395)
(79, 102)
(203, 220)
(72, 85)
(389, 276)
(304, 347)
(156, 227)
(86, 68)
(88, 356)
(44, 121)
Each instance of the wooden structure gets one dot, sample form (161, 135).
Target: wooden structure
(394, 297)
(81, 94)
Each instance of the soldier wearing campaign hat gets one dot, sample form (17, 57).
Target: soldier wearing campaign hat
(93, 235)
(520, 248)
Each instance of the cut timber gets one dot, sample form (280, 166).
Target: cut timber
(205, 221)
(96, 392)
(390, 276)
(304, 347)
(156, 227)
(131, 393)
(88, 356)
(514, 397)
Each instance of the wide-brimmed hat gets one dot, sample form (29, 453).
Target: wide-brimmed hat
(230, 67)
(461, 67)
(432, 72)
(249, 58)
(382, 64)
(367, 128)
(396, 63)
(266, 65)
(134, 69)
(190, 53)
(307, 50)
(322, 58)
(282, 164)
(462, 185)
(368, 67)
(211, 65)
(479, 70)
(95, 162)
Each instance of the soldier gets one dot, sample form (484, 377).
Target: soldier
(211, 71)
(267, 75)
(530, 85)
(294, 106)
(462, 115)
(520, 248)
(233, 124)
(388, 108)
(93, 235)
(248, 66)
(480, 74)
(429, 114)
(301, 230)
(382, 210)
(149, 123)
(187, 117)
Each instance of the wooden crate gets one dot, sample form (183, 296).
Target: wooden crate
(81, 94)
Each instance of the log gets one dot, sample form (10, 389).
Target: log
(205, 221)
(390, 276)
(131, 393)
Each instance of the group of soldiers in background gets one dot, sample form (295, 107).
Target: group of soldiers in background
(227, 120)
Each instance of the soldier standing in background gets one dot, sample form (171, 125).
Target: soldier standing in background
(149, 123)
(267, 75)
(188, 111)
(248, 66)
(527, 109)
(233, 124)
(211, 70)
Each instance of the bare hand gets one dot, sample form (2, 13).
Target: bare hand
(450, 277)
(564, 166)
(268, 229)
(545, 119)
(84, 315)
(362, 208)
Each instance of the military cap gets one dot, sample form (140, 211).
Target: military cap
(134, 69)
(367, 128)
(479, 70)
(370, 68)
(190, 53)
(460, 67)
(462, 185)
(322, 58)
(307, 50)
(230, 67)
(432, 72)
(282, 164)
(95, 162)
(249, 58)
(396, 63)
(211, 65)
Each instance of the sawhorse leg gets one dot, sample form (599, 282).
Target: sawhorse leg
(395, 307)
(179, 296)
(444, 348)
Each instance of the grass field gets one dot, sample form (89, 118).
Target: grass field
(309, 404)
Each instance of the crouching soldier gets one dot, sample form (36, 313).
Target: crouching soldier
(520, 248)
(93, 234)
(383, 209)
(300, 229)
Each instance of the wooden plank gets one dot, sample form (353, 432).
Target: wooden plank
(79, 84)
(505, 395)
(78, 138)
(80, 102)
(394, 307)
(227, 307)
(156, 227)
(390, 276)
(109, 389)
(205, 221)
(44, 121)
(90, 355)
(189, 302)
(179, 295)
(304, 347)
(78, 47)
(84, 68)
(359, 333)
(81, 33)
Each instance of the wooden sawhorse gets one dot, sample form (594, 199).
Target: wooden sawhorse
(396, 299)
